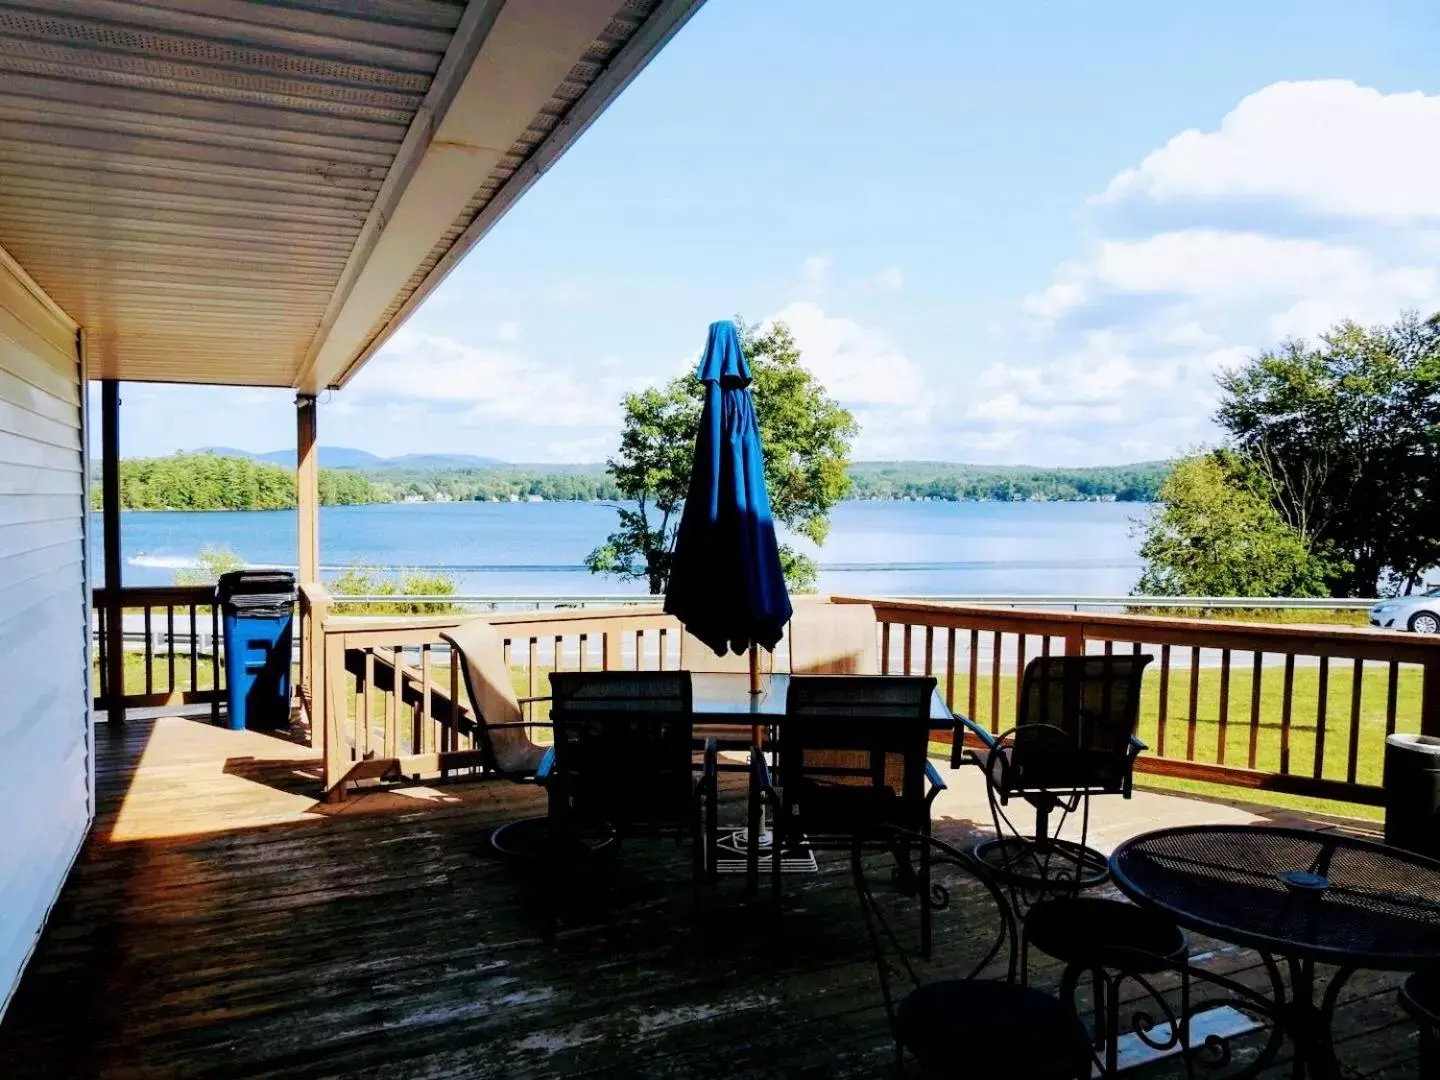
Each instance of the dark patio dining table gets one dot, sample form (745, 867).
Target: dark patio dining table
(1305, 897)
(725, 698)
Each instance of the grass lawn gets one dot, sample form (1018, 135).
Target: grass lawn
(160, 672)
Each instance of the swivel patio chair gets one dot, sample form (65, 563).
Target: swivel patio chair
(501, 732)
(833, 639)
(964, 1013)
(852, 762)
(1074, 738)
(623, 761)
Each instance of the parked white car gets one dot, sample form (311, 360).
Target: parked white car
(1419, 612)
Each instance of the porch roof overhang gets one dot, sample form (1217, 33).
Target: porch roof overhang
(240, 193)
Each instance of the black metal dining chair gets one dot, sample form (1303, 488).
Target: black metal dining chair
(1420, 997)
(852, 761)
(962, 1011)
(1074, 737)
(623, 760)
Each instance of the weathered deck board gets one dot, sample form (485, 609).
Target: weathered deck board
(222, 923)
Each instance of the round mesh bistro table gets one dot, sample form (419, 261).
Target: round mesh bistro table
(1304, 897)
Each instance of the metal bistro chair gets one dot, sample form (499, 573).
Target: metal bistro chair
(623, 758)
(963, 1013)
(853, 762)
(1074, 738)
(501, 732)
(1420, 997)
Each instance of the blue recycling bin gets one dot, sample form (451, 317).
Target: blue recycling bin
(258, 616)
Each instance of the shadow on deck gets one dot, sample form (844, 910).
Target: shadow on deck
(221, 923)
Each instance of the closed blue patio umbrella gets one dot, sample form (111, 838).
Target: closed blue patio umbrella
(726, 585)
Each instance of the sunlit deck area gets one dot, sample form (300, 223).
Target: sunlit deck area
(222, 921)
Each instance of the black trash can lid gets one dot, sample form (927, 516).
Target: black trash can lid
(276, 583)
(1428, 745)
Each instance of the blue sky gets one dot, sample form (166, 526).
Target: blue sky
(1014, 232)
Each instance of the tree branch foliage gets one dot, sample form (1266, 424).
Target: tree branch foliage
(806, 436)
(1334, 463)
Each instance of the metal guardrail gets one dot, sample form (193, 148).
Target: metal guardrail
(501, 602)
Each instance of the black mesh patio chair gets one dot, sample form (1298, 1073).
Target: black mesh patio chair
(623, 760)
(1074, 738)
(1113, 940)
(1420, 997)
(961, 1011)
(852, 760)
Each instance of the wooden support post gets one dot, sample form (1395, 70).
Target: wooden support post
(307, 487)
(110, 493)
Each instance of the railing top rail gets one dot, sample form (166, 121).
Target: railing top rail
(156, 595)
(1336, 641)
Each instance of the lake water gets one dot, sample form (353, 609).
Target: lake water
(877, 548)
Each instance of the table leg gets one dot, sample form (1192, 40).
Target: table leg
(1310, 1025)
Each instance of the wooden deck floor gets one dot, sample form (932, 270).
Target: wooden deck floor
(221, 923)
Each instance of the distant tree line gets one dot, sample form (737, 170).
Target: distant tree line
(216, 482)
(1005, 483)
(208, 481)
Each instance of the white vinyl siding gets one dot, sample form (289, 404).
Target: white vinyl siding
(45, 793)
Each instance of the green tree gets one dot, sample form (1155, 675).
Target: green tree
(209, 565)
(1344, 437)
(806, 436)
(362, 580)
(1215, 532)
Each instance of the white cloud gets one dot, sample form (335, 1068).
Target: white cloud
(1296, 213)
(1329, 146)
(889, 280)
(815, 274)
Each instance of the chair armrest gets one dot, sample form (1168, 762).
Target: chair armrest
(522, 723)
(547, 763)
(1136, 748)
(937, 782)
(989, 741)
(711, 764)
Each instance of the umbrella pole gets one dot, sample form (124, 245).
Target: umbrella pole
(754, 669)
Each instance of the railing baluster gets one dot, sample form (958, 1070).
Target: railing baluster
(1019, 671)
(950, 667)
(364, 707)
(995, 682)
(885, 647)
(1392, 695)
(428, 742)
(974, 687)
(907, 645)
(170, 643)
(216, 663)
(1286, 704)
(664, 644)
(1224, 718)
(149, 655)
(1322, 701)
(929, 650)
(451, 735)
(532, 661)
(1194, 703)
(194, 650)
(584, 650)
(639, 650)
(1256, 677)
(1163, 709)
(1352, 751)
(392, 707)
(102, 695)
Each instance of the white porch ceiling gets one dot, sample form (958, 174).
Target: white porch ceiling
(226, 191)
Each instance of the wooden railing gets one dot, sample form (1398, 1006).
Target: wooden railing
(1297, 709)
(390, 711)
(173, 647)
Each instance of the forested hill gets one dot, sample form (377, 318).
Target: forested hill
(952, 482)
(213, 481)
